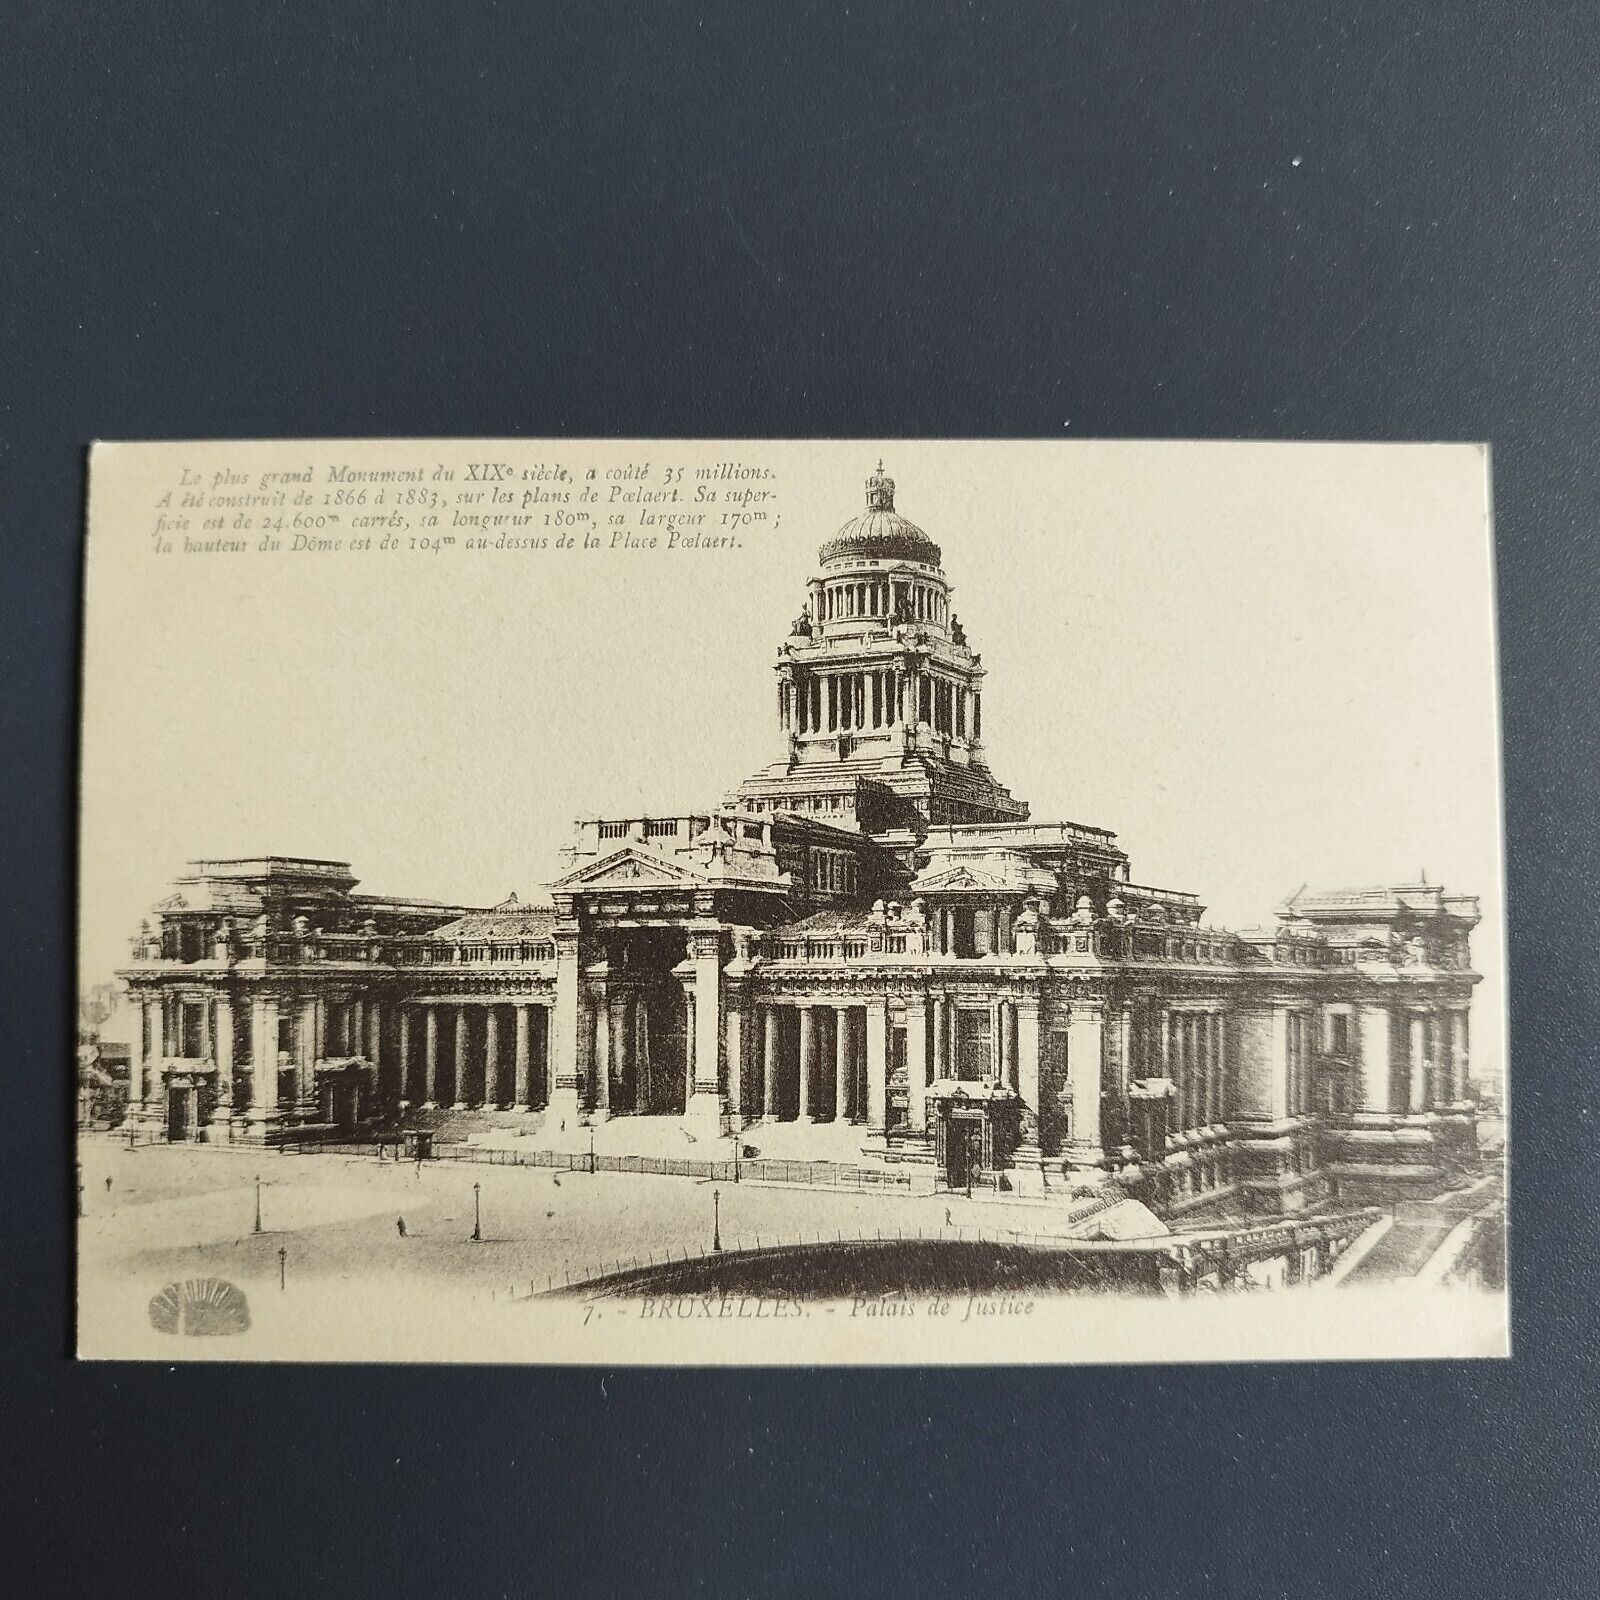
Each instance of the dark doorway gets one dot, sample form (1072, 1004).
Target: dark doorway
(341, 1101)
(180, 1114)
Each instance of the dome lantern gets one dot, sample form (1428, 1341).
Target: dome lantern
(880, 533)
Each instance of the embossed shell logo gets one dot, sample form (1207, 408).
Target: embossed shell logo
(200, 1306)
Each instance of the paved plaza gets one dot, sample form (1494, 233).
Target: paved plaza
(185, 1209)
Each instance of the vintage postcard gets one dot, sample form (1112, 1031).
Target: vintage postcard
(790, 902)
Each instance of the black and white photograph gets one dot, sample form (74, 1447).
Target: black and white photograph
(593, 901)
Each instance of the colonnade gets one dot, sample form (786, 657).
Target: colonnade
(1413, 1058)
(627, 1072)
(863, 700)
(989, 931)
(1192, 1052)
(815, 1061)
(503, 1061)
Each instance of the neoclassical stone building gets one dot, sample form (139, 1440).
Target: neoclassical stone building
(867, 947)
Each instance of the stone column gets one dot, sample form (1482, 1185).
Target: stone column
(520, 1088)
(705, 1104)
(1218, 1039)
(564, 1029)
(1375, 1059)
(1459, 1077)
(374, 1047)
(807, 1050)
(430, 1057)
(916, 1060)
(459, 1086)
(222, 1052)
(1085, 1046)
(600, 1054)
(841, 1061)
(1417, 1062)
(941, 1037)
(1027, 1014)
(625, 1040)
(877, 1066)
(1194, 1066)
(306, 1057)
(407, 1053)
(491, 1059)
(733, 1097)
(688, 1045)
(1178, 1062)
(264, 1058)
(769, 1066)
(136, 1060)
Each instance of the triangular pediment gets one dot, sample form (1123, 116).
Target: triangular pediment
(630, 868)
(1002, 871)
(956, 878)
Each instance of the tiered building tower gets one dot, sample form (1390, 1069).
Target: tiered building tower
(880, 697)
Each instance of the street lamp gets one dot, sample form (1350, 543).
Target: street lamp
(591, 1149)
(283, 1256)
(477, 1216)
(258, 1205)
(716, 1219)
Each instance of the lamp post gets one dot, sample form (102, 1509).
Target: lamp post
(283, 1257)
(477, 1216)
(591, 1149)
(258, 1205)
(716, 1220)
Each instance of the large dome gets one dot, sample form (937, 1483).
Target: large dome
(880, 532)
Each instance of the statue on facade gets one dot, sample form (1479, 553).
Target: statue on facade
(916, 929)
(1083, 912)
(801, 628)
(222, 941)
(958, 634)
(1025, 931)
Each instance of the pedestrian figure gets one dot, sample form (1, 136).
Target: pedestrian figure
(400, 1225)
(555, 1178)
(108, 1185)
(419, 1166)
(949, 1221)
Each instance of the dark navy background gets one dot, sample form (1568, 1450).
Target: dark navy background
(715, 219)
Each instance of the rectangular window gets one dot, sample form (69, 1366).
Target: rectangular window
(191, 1026)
